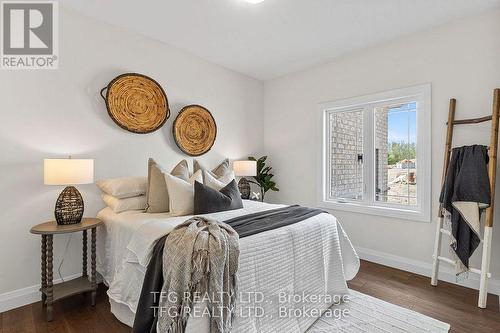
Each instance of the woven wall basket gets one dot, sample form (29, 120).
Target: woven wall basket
(194, 130)
(136, 103)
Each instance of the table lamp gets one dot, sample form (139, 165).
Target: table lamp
(69, 206)
(245, 169)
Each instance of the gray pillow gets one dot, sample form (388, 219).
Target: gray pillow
(207, 200)
(222, 170)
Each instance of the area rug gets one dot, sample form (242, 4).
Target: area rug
(371, 315)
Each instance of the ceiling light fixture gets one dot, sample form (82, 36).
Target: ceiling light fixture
(254, 1)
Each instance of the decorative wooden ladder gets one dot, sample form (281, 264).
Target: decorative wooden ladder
(492, 170)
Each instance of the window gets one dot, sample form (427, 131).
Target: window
(375, 154)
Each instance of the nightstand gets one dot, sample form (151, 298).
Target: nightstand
(51, 292)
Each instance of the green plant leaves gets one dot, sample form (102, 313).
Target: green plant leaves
(264, 175)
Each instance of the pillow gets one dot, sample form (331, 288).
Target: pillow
(121, 205)
(207, 200)
(125, 187)
(217, 183)
(181, 193)
(220, 171)
(157, 200)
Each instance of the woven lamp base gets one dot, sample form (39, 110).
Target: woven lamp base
(244, 187)
(69, 206)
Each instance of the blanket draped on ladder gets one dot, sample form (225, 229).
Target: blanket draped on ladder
(464, 196)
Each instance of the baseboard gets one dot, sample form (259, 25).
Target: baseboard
(446, 273)
(25, 296)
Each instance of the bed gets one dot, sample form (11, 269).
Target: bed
(269, 262)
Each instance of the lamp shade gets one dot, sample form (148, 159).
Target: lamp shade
(245, 168)
(68, 171)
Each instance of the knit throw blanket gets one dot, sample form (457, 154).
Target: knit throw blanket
(464, 196)
(200, 261)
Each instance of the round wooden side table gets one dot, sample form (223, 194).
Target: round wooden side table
(51, 292)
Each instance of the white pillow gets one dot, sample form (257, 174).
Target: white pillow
(125, 187)
(157, 192)
(217, 183)
(181, 193)
(120, 205)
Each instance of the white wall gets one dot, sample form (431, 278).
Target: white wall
(57, 113)
(461, 60)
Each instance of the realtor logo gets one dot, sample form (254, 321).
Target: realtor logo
(29, 35)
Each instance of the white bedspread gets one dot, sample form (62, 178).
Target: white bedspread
(313, 257)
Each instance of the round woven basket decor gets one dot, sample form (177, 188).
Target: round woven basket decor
(194, 130)
(136, 103)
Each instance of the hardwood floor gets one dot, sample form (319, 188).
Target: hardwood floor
(72, 315)
(447, 302)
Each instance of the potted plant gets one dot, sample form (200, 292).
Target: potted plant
(263, 179)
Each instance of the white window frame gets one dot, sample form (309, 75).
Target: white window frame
(421, 212)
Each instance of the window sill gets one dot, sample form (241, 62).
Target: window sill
(404, 214)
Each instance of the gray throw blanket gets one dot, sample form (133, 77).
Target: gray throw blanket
(465, 194)
(200, 260)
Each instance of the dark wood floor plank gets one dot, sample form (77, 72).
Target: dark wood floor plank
(42, 325)
(82, 317)
(447, 302)
(104, 309)
(19, 320)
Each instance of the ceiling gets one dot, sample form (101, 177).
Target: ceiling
(276, 37)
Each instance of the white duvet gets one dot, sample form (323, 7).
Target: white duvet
(284, 276)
